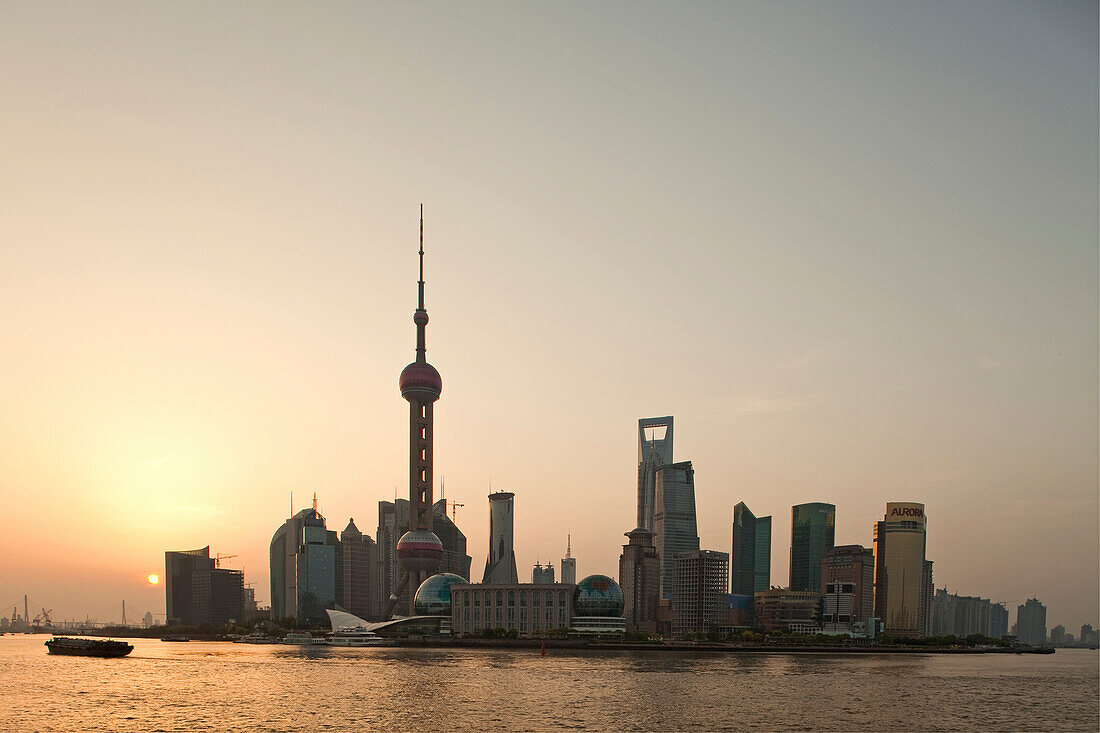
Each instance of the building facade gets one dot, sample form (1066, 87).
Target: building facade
(903, 587)
(199, 592)
(955, 615)
(674, 523)
(569, 563)
(542, 574)
(640, 579)
(853, 567)
(1031, 623)
(788, 610)
(700, 599)
(500, 564)
(654, 451)
(751, 559)
(524, 607)
(361, 592)
(813, 529)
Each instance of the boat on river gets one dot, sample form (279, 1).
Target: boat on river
(358, 636)
(88, 647)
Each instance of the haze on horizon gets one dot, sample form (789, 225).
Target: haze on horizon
(851, 246)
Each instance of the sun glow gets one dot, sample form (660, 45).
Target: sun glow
(153, 578)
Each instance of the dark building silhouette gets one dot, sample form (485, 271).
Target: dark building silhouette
(361, 589)
(750, 563)
(674, 524)
(654, 451)
(700, 598)
(198, 592)
(640, 579)
(500, 564)
(812, 534)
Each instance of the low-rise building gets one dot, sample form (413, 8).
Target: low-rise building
(791, 610)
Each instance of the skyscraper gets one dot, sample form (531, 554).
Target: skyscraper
(1031, 623)
(854, 566)
(750, 562)
(362, 593)
(569, 564)
(654, 451)
(419, 550)
(812, 532)
(674, 521)
(316, 566)
(196, 591)
(640, 579)
(902, 578)
(500, 565)
(700, 596)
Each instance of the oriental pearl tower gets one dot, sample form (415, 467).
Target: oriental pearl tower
(419, 550)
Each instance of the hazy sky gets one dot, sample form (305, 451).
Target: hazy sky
(852, 247)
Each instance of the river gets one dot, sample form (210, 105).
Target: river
(238, 687)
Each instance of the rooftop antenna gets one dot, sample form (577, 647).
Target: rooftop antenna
(314, 501)
(292, 503)
(568, 546)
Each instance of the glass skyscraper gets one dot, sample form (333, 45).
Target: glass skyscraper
(812, 535)
(674, 518)
(752, 552)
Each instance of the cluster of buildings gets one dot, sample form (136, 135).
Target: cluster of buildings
(673, 586)
(198, 591)
(415, 572)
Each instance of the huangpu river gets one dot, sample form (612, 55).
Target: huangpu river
(164, 686)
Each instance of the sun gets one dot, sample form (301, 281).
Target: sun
(153, 578)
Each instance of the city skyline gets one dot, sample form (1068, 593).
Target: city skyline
(214, 327)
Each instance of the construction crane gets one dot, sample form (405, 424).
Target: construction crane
(454, 511)
(218, 557)
(46, 620)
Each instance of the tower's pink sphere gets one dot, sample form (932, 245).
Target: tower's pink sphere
(419, 550)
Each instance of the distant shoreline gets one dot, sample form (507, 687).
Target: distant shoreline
(672, 646)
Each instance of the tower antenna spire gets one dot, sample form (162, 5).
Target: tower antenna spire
(568, 546)
(421, 281)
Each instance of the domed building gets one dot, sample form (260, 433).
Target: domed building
(598, 606)
(433, 597)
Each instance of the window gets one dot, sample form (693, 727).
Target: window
(511, 598)
(423, 432)
(536, 599)
(523, 599)
(477, 599)
(423, 410)
(500, 598)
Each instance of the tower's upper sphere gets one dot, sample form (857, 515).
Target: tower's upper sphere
(420, 551)
(420, 380)
(598, 595)
(433, 597)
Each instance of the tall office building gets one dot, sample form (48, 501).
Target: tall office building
(674, 524)
(1031, 623)
(640, 579)
(197, 591)
(700, 597)
(305, 572)
(654, 451)
(361, 593)
(902, 576)
(179, 569)
(500, 565)
(569, 564)
(751, 560)
(855, 566)
(955, 615)
(812, 533)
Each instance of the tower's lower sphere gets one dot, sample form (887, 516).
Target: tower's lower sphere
(419, 551)
(433, 597)
(598, 595)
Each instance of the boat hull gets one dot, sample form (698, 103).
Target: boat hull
(91, 649)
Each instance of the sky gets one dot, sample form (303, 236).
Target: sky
(851, 246)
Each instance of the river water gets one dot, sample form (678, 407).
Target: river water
(240, 687)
